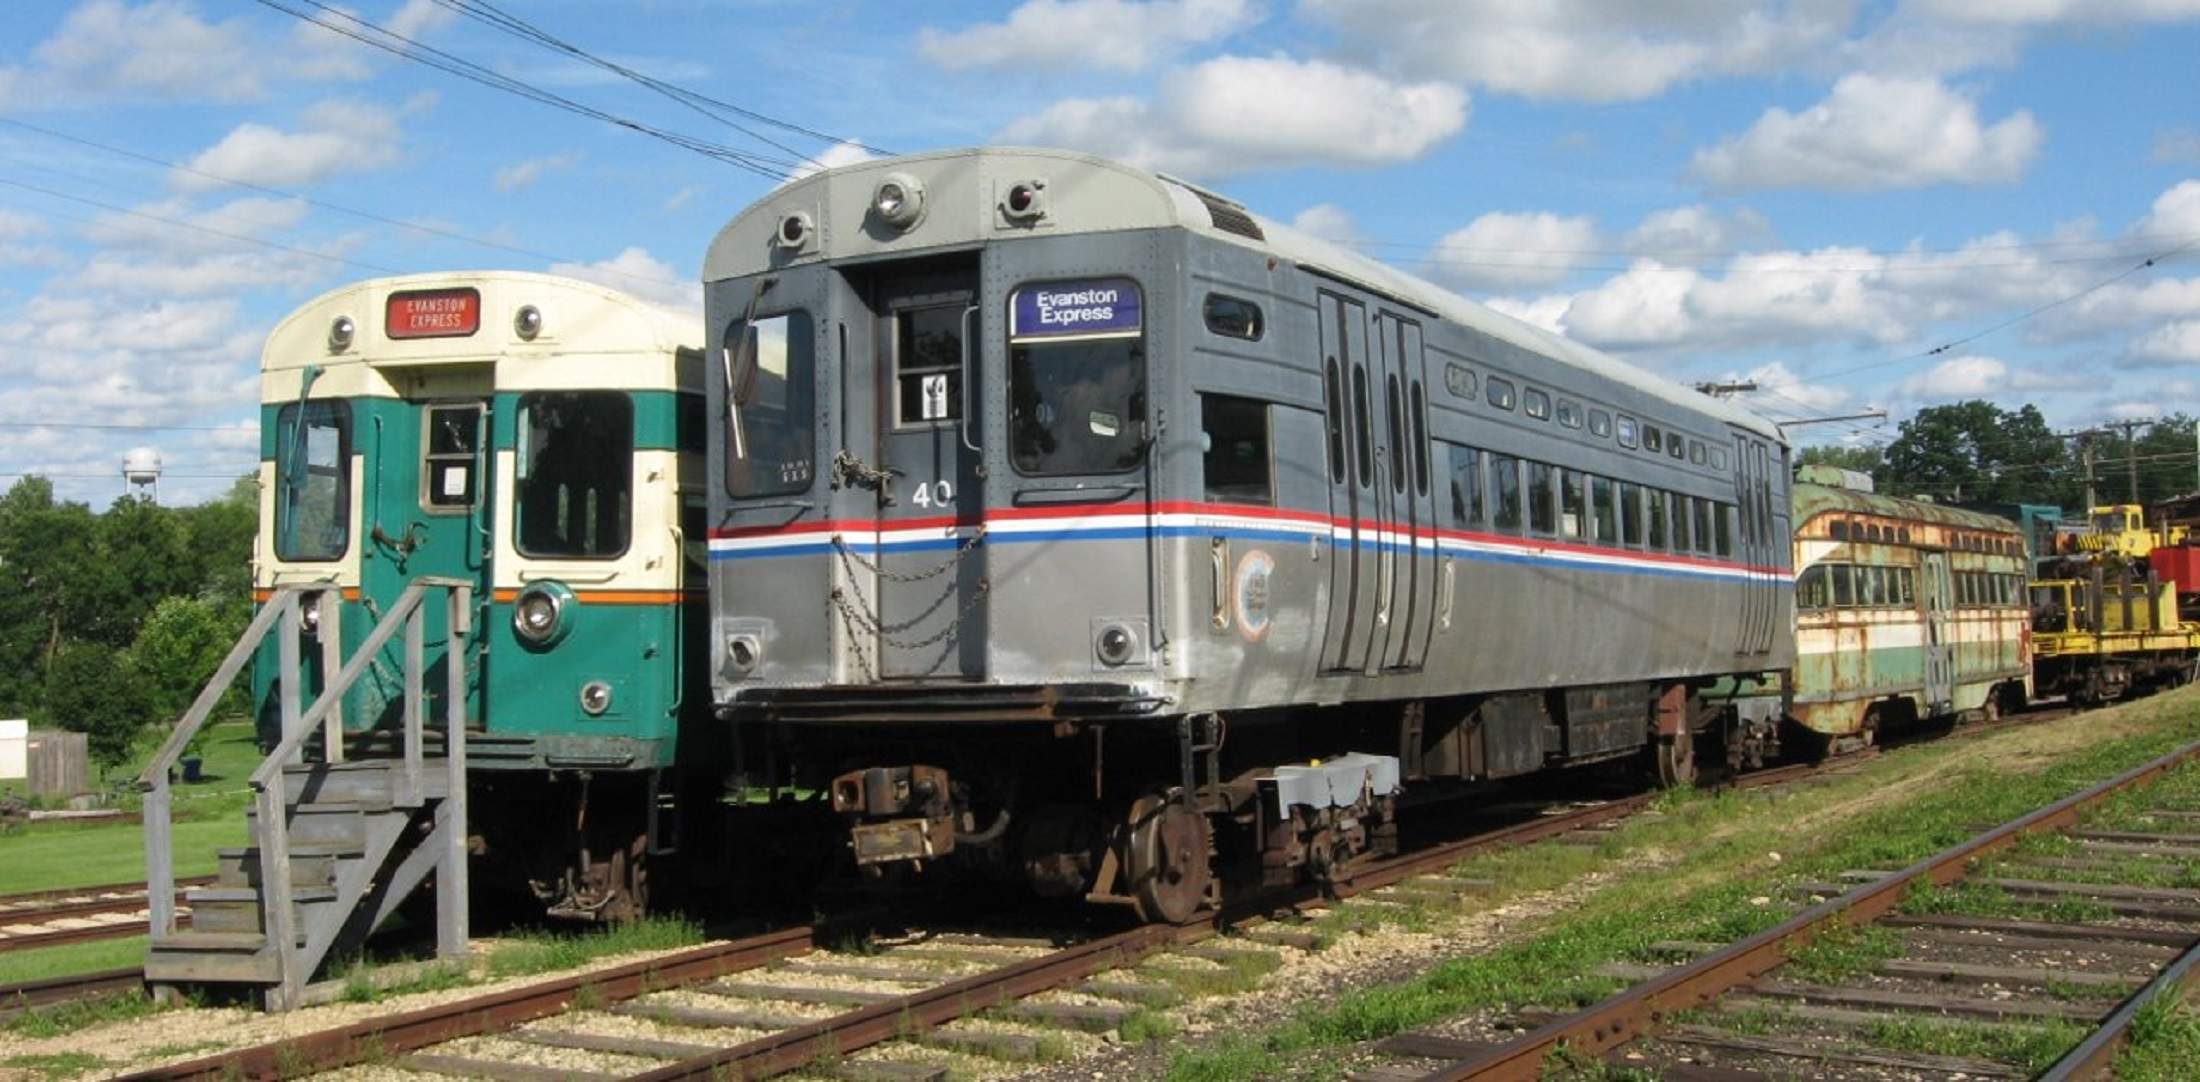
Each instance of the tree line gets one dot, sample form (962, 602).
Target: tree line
(1979, 453)
(112, 621)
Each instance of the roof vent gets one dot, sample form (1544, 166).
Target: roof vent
(1223, 213)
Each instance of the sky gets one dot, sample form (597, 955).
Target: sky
(1857, 204)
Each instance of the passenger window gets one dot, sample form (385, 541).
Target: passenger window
(1393, 411)
(1880, 593)
(1703, 526)
(1569, 413)
(1420, 440)
(573, 474)
(1838, 529)
(1722, 524)
(1542, 501)
(928, 361)
(1363, 433)
(1810, 588)
(1234, 432)
(1718, 458)
(1630, 514)
(1697, 453)
(1658, 516)
(1466, 486)
(447, 455)
(772, 367)
(1505, 492)
(1653, 440)
(1601, 508)
(1571, 512)
(1233, 317)
(1903, 535)
(1459, 380)
(1536, 404)
(1333, 410)
(1905, 586)
(1674, 448)
(1844, 586)
(313, 481)
(1500, 392)
(1600, 423)
(1628, 432)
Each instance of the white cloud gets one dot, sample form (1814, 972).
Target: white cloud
(1588, 50)
(1111, 35)
(333, 137)
(2042, 12)
(1957, 377)
(634, 271)
(845, 152)
(2176, 146)
(1681, 232)
(199, 253)
(1330, 222)
(1793, 390)
(2171, 343)
(519, 176)
(1510, 251)
(1875, 132)
(160, 49)
(2175, 214)
(1238, 114)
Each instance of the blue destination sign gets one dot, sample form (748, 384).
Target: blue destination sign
(1091, 308)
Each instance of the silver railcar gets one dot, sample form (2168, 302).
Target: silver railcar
(1070, 520)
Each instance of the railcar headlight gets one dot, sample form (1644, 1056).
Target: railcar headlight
(898, 200)
(1025, 201)
(527, 322)
(539, 614)
(794, 231)
(1115, 644)
(340, 332)
(595, 697)
(743, 652)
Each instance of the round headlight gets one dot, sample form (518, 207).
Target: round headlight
(340, 332)
(742, 652)
(539, 613)
(898, 201)
(527, 322)
(794, 230)
(1116, 643)
(595, 697)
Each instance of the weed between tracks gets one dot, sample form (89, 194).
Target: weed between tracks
(2165, 1043)
(1721, 881)
(65, 1018)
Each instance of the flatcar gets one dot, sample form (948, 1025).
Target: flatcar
(1074, 524)
(1905, 612)
(540, 438)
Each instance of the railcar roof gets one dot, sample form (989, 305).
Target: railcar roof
(300, 338)
(1810, 499)
(1137, 199)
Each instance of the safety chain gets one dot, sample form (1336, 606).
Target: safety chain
(962, 549)
(849, 470)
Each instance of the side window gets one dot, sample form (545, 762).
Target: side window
(1363, 419)
(1660, 516)
(1674, 448)
(313, 481)
(1505, 492)
(1810, 588)
(1905, 586)
(1723, 523)
(1629, 432)
(1233, 317)
(928, 366)
(1569, 413)
(1718, 458)
(1466, 486)
(1419, 418)
(1536, 404)
(1600, 423)
(1879, 592)
(573, 474)
(1682, 519)
(1394, 413)
(1844, 587)
(1333, 419)
(447, 453)
(1698, 454)
(1542, 500)
(1459, 380)
(1499, 392)
(1703, 525)
(1630, 514)
(1601, 508)
(1234, 433)
(1572, 513)
(1838, 529)
(1653, 440)
(771, 366)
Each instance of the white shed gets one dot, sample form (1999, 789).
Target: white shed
(15, 735)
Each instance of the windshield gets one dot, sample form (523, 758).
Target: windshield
(313, 481)
(574, 473)
(771, 434)
(1076, 377)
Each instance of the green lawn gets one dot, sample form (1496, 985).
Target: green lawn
(92, 957)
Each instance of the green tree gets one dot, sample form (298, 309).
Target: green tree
(219, 534)
(1863, 459)
(95, 690)
(178, 649)
(1977, 452)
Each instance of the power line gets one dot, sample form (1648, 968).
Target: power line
(197, 228)
(118, 427)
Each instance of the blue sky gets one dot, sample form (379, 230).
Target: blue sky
(1812, 194)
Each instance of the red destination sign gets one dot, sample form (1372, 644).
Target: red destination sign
(433, 313)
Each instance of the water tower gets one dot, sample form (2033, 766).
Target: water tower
(141, 472)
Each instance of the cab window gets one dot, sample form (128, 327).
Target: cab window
(1077, 401)
(1235, 434)
(573, 474)
(773, 421)
(313, 481)
(447, 455)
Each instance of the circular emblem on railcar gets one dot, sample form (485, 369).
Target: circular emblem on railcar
(1249, 594)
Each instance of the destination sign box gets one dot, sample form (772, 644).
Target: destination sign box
(1089, 308)
(433, 313)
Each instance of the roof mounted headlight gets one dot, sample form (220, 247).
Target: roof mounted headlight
(794, 231)
(340, 333)
(898, 200)
(542, 613)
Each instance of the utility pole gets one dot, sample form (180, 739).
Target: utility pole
(2085, 455)
(2131, 453)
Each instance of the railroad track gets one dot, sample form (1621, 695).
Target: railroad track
(2098, 950)
(54, 991)
(49, 918)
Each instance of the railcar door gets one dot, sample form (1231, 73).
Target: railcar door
(1355, 563)
(1760, 596)
(1402, 487)
(1939, 594)
(929, 573)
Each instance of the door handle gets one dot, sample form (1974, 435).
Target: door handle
(1218, 551)
(962, 424)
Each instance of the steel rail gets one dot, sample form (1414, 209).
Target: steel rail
(417, 1029)
(2095, 1057)
(1627, 1015)
(31, 995)
(65, 894)
(77, 905)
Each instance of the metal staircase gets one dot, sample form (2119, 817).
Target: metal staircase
(337, 845)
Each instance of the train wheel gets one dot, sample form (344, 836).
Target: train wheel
(1674, 758)
(1169, 858)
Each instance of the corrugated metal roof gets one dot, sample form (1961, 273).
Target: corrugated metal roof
(1810, 499)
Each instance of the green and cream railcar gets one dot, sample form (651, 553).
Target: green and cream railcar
(1904, 611)
(539, 438)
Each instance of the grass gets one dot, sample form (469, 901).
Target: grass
(1845, 954)
(528, 953)
(361, 984)
(62, 1019)
(1714, 865)
(1967, 899)
(1239, 971)
(39, 963)
(57, 1064)
(2165, 1043)
(2032, 1047)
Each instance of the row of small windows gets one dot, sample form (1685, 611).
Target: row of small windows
(1500, 393)
(1508, 494)
(1842, 529)
(1863, 586)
